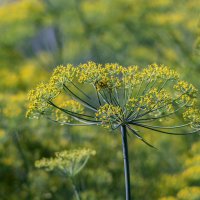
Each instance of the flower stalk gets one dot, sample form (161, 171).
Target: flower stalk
(126, 162)
(76, 193)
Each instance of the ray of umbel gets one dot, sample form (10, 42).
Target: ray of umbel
(130, 99)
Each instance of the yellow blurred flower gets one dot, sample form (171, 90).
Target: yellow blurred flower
(189, 193)
(2, 133)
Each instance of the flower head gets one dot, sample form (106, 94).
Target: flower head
(130, 96)
(69, 163)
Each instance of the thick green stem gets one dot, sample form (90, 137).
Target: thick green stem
(126, 162)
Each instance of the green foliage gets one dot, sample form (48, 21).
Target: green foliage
(19, 22)
(185, 184)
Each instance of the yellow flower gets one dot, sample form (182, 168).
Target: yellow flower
(192, 193)
(109, 114)
(12, 104)
(69, 105)
(2, 133)
(155, 71)
(102, 77)
(39, 99)
(188, 91)
(68, 162)
(63, 75)
(192, 115)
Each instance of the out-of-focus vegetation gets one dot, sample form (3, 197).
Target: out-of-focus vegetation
(184, 184)
(36, 36)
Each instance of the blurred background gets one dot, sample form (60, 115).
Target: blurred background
(38, 35)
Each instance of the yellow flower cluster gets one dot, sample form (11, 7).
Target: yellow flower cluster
(193, 161)
(130, 76)
(156, 99)
(2, 133)
(192, 193)
(155, 71)
(89, 72)
(8, 78)
(12, 104)
(131, 104)
(39, 98)
(133, 77)
(69, 105)
(9, 14)
(188, 91)
(69, 162)
(184, 86)
(102, 77)
(192, 173)
(109, 114)
(63, 75)
(43, 91)
(121, 91)
(187, 193)
(192, 115)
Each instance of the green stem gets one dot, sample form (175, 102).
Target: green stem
(18, 146)
(76, 193)
(126, 162)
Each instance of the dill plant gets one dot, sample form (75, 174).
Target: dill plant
(67, 163)
(131, 99)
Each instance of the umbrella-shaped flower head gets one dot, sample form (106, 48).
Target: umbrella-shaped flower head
(113, 96)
